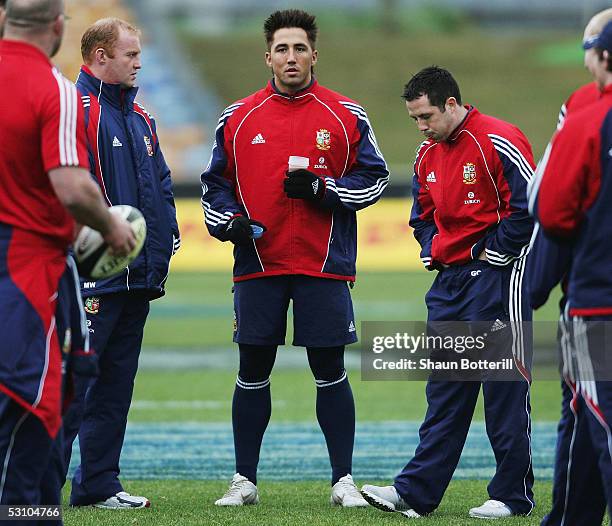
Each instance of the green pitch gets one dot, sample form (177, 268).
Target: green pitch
(185, 503)
(295, 389)
(194, 322)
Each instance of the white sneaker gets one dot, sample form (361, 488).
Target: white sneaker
(240, 493)
(345, 493)
(386, 498)
(122, 501)
(491, 509)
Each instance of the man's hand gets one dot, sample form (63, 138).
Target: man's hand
(120, 236)
(302, 184)
(483, 256)
(238, 230)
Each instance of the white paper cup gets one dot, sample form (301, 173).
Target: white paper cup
(298, 163)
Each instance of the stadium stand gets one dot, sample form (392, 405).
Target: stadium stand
(164, 89)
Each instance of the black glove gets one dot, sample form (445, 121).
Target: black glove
(238, 230)
(302, 184)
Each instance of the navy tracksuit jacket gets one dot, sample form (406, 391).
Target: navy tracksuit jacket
(130, 168)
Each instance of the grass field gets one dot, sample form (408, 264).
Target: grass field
(185, 503)
(177, 399)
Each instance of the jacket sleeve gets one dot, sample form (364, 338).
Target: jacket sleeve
(549, 260)
(509, 240)
(363, 185)
(548, 263)
(570, 181)
(166, 186)
(422, 217)
(218, 180)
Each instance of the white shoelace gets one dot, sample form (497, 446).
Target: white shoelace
(234, 488)
(350, 489)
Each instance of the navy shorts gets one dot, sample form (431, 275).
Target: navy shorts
(322, 311)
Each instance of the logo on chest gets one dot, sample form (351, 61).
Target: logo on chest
(323, 139)
(92, 305)
(469, 173)
(471, 199)
(147, 142)
(321, 165)
(258, 139)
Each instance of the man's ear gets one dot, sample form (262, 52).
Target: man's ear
(57, 26)
(451, 103)
(100, 55)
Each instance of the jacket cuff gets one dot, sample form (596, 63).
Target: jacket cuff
(330, 198)
(477, 248)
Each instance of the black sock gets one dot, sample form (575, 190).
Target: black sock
(251, 406)
(335, 407)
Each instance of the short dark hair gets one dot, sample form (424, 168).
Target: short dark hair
(435, 82)
(291, 18)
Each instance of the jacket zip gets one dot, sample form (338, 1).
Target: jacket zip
(291, 203)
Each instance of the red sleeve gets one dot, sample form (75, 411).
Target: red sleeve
(62, 126)
(571, 179)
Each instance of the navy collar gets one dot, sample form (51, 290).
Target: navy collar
(111, 93)
(311, 84)
(471, 111)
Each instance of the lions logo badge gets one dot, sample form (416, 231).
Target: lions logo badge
(147, 142)
(92, 305)
(323, 139)
(469, 173)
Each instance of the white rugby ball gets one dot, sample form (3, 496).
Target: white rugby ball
(92, 253)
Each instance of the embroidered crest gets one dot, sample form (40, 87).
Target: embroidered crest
(147, 142)
(469, 173)
(92, 305)
(323, 139)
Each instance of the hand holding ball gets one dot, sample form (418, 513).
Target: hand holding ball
(94, 256)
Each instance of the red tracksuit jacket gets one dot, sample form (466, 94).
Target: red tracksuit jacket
(254, 140)
(574, 203)
(470, 194)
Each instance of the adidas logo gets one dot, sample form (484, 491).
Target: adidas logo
(351, 327)
(116, 142)
(258, 139)
(498, 326)
(315, 186)
(431, 177)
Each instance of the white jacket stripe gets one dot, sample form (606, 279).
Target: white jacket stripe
(513, 153)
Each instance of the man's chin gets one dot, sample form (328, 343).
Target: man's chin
(294, 81)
